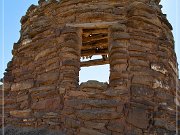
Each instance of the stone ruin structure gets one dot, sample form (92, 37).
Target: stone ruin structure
(41, 83)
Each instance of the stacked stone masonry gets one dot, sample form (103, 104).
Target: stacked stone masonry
(41, 83)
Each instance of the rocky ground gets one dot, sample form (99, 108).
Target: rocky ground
(9, 130)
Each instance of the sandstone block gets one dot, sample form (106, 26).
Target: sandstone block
(72, 123)
(6, 86)
(138, 117)
(118, 27)
(85, 131)
(48, 77)
(101, 114)
(21, 113)
(42, 88)
(62, 90)
(45, 94)
(7, 101)
(22, 98)
(116, 125)
(44, 53)
(70, 63)
(141, 91)
(22, 85)
(139, 62)
(47, 104)
(94, 125)
(120, 36)
(24, 104)
(93, 84)
(78, 94)
(93, 102)
(120, 67)
(114, 93)
(116, 45)
(159, 67)
(144, 80)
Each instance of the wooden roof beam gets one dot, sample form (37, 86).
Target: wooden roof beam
(94, 62)
(87, 32)
(92, 25)
(94, 52)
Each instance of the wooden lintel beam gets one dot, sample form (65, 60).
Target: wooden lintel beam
(94, 40)
(92, 25)
(94, 63)
(95, 46)
(94, 52)
(87, 32)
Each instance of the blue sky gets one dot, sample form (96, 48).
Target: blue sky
(15, 9)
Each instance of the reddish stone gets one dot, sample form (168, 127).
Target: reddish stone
(21, 113)
(138, 117)
(116, 125)
(47, 104)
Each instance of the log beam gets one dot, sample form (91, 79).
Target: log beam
(94, 62)
(94, 52)
(92, 25)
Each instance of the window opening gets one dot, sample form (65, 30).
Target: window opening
(94, 55)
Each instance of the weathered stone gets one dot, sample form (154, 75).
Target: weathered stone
(22, 98)
(120, 35)
(24, 104)
(118, 27)
(120, 67)
(144, 80)
(159, 68)
(117, 92)
(44, 53)
(47, 104)
(78, 94)
(51, 115)
(68, 110)
(103, 114)
(132, 36)
(162, 123)
(47, 77)
(25, 42)
(70, 63)
(93, 84)
(52, 1)
(138, 91)
(40, 95)
(42, 88)
(22, 85)
(86, 131)
(41, 1)
(62, 90)
(21, 113)
(6, 86)
(160, 84)
(94, 125)
(138, 117)
(7, 101)
(72, 123)
(116, 125)
(138, 62)
(93, 102)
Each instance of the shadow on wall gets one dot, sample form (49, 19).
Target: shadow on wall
(9, 130)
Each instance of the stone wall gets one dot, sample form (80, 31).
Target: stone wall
(41, 83)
